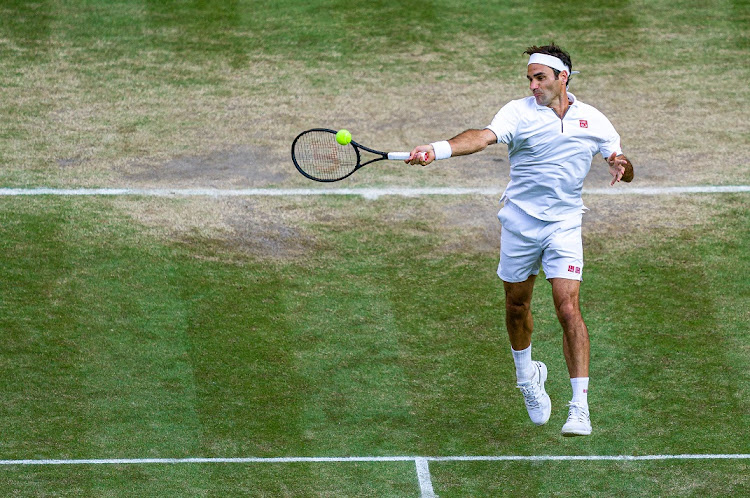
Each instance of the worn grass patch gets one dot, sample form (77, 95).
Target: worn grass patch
(287, 228)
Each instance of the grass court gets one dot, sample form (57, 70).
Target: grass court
(309, 327)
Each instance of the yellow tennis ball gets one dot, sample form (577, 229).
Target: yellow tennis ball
(343, 137)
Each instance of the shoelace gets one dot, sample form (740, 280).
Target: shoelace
(577, 412)
(530, 395)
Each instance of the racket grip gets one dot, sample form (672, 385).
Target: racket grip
(398, 156)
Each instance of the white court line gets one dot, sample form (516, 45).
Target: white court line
(368, 193)
(423, 476)
(416, 459)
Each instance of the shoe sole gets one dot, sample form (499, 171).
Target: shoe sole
(576, 433)
(542, 380)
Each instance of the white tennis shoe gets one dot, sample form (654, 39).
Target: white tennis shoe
(579, 423)
(535, 397)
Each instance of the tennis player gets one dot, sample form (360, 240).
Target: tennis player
(552, 138)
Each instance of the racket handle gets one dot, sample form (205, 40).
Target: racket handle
(398, 156)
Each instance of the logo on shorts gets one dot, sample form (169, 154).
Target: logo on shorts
(583, 123)
(574, 269)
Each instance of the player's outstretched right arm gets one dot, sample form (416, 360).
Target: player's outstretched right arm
(468, 142)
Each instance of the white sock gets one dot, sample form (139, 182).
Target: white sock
(580, 387)
(524, 368)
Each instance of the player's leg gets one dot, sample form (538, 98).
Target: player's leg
(518, 319)
(565, 294)
(520, 255)
(563, 265)
(530, 375)
(576, 349)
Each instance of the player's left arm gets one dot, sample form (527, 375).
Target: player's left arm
(620, 168)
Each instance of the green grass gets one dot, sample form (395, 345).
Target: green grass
(571, 479)
(119, 344)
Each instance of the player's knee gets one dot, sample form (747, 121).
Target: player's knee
(568, 312)
(517, 309)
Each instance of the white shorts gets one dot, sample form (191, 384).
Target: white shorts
(527, 243)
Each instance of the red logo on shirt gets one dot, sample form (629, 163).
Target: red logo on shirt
(574, 269)
(583, 123)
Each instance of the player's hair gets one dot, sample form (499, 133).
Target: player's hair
(554, 51)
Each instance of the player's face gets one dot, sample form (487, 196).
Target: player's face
(543, 84)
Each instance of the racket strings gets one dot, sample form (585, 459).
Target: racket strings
(321, 157)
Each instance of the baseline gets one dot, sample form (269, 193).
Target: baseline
(416, 459)
(367, 193)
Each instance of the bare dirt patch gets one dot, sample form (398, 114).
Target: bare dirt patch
(238, 166)
(291, 228)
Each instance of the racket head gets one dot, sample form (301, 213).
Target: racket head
(318, 156)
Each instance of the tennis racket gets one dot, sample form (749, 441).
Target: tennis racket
(319, 157)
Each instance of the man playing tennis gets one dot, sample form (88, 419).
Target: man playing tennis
(552, 138)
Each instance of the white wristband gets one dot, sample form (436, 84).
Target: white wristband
(442, 149)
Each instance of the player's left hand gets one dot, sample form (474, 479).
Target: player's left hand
(620, 168)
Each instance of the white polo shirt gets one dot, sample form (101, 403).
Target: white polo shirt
(549, 156)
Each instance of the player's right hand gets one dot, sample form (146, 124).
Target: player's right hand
(423, 155)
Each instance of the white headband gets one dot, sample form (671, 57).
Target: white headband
(550, 61)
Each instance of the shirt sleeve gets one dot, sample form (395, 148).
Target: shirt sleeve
(610, 139)
(505, 122)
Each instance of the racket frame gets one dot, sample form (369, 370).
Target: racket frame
(393, 156)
